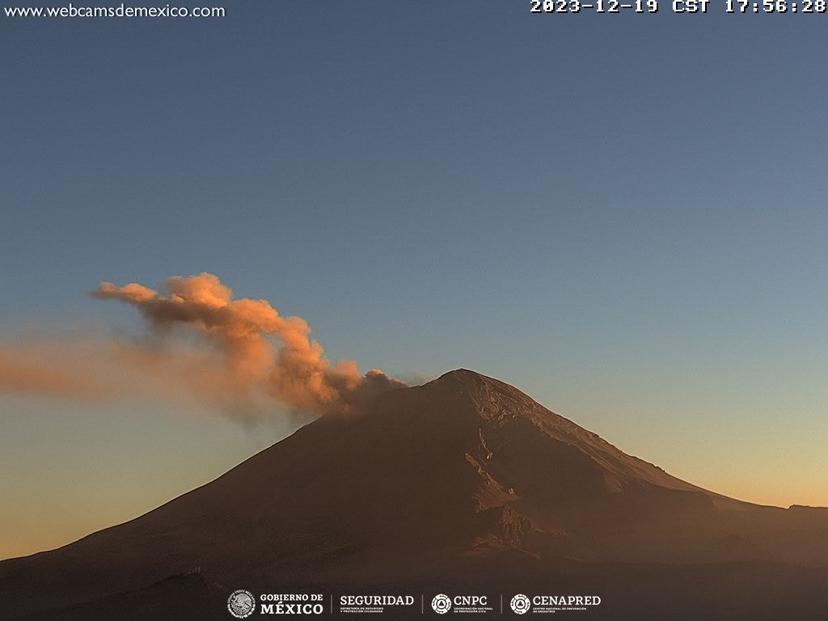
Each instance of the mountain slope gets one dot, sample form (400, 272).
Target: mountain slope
(462, 477)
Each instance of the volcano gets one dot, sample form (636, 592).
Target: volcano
(461, 483)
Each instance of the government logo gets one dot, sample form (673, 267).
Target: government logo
(441, 604)
(520, 604)
(241, 604)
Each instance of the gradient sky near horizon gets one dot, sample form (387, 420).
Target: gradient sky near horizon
(624, 216)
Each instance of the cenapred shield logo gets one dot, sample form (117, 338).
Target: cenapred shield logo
(241, 604)
(441, 604)
(520, 604)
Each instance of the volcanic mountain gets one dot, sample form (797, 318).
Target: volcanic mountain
(464, 482)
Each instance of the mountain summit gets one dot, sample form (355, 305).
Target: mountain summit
(464, 479)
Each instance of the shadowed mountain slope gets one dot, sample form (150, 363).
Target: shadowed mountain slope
(463, 479)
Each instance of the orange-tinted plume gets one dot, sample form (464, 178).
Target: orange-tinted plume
(261, 349)
(25, 375)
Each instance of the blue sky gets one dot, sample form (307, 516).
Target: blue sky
(623, 215)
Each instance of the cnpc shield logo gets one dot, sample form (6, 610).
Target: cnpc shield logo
(441, 604)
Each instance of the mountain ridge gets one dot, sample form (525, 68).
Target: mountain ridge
(462, 476)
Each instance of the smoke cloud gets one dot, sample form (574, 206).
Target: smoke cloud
(261, 351)
(22, 375)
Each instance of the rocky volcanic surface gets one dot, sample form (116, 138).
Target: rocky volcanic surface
(464, 482)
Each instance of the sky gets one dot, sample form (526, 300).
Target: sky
(622, 215)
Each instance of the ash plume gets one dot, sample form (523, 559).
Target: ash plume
(22, 375)
(261, 350)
